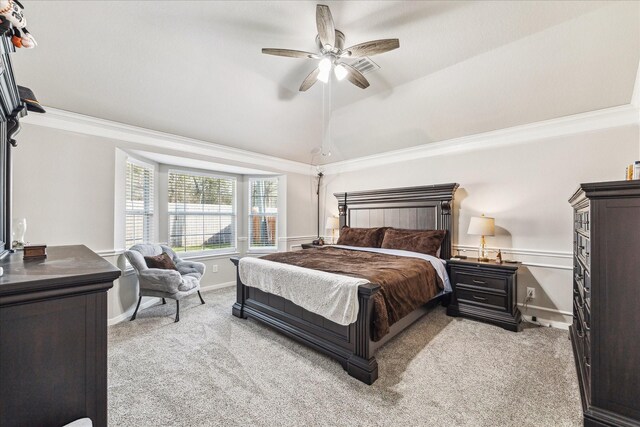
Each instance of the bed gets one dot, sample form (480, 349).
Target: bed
(354, 345)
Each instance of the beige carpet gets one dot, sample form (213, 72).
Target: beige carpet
(213, 369)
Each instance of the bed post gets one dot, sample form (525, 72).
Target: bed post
(446, 220)
(362, 365)
(342, 209)
(238, 307)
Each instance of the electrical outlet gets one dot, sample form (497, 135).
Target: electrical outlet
(214, 268)
(531, 293)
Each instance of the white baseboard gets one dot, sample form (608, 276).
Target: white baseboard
(127, 314)
(547, 323)
(551, 310)
(217, 286)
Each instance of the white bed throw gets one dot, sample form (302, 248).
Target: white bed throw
(332, 296)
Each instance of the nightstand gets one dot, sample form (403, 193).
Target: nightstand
(485, 291)
(311, 246)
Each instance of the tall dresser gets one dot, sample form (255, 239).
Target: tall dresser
(606, 301)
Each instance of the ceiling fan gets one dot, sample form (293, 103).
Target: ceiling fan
(331, 45)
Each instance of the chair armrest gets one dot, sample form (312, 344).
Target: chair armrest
(186, 267)
(160, 279)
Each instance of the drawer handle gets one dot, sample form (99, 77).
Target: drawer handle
(479, 298)
(479, 282)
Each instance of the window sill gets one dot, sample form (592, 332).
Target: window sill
(206, 255)
(262, 251)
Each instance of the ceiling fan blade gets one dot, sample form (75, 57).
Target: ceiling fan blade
(289, 53)
(356, 77)
(310, 80)
(326, 28)
(373, 47)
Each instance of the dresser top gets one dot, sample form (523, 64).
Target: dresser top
(64, 266)
(609, 189)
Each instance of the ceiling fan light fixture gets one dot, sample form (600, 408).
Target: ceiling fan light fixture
(324, 75)
(340, 72)
(325, 65)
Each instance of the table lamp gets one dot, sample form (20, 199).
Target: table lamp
(482, 226)
(332, 223)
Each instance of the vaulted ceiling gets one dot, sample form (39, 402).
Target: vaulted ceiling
(195, 69)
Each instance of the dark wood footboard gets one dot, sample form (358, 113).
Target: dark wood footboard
(350, 345)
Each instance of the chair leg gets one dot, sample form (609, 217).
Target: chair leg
(201, 300)
(136, 311)
(177, 311)
(164, 301)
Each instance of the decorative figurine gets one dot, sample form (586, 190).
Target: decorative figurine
(499, 257)
(12, 11)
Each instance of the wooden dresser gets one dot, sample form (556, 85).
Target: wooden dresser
(606, 298)
(53, 338)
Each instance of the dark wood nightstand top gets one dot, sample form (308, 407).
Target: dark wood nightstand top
(312, 246)
(486, 264)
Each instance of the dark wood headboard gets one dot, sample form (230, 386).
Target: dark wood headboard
(420, 208)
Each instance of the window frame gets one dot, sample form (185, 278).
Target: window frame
(257, 249)
(198, 253)
(150, 231)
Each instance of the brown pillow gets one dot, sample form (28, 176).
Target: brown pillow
(363, 237)
(423, 241)
(163, 261)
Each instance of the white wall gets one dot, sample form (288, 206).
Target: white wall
(526, 188)
(65, 183)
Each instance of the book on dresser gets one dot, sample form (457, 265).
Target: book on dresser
(605, 333)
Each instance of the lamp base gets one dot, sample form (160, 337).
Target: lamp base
(484, 259)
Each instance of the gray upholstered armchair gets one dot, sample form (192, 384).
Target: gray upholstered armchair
(162, 283)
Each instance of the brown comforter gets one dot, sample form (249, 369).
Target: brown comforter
(406, 283)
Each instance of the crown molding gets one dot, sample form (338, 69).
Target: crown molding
(623, 115)
(585, 122)
(80, 123)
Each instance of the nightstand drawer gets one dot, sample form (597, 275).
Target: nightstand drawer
(499, 284)
(481, 299)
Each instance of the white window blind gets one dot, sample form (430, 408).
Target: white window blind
(139, 204)
(263, 213)
(202, 212)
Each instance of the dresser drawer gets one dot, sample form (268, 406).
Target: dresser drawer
(586, 359)
(583, 250)
(481, 299)
(480, 281)
(583, 315)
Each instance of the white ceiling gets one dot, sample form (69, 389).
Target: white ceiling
(195, 69)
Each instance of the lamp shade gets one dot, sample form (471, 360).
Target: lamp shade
(332, 223)
(482, 226)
